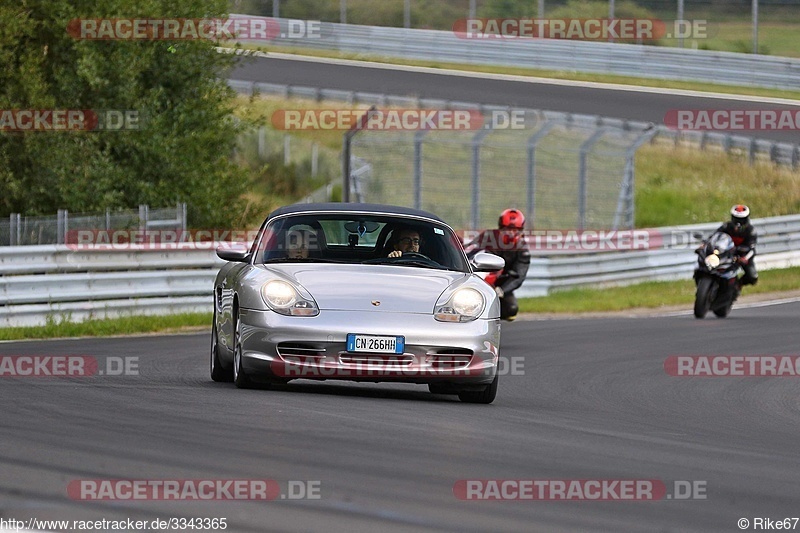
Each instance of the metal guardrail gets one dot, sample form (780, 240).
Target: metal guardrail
(37, 282)
(778, 247)
(780, 153)
(65, 283)
(658, 62)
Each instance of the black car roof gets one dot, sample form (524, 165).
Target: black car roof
(332, 207)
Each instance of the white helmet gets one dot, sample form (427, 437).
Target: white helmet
(740, 214)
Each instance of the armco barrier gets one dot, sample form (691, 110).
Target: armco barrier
(58, 280)
(65, 283)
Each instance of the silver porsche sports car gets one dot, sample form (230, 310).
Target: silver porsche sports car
(357, 292)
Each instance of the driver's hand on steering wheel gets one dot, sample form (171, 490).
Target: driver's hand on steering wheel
(395, 253)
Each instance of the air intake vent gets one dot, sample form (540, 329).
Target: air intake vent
(387, 361)
(298, 349)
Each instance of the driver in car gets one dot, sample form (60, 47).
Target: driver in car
(406, 240)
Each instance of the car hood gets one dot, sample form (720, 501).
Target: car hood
(357, 287)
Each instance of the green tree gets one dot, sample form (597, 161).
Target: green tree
(182, 150)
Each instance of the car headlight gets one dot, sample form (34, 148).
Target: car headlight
(283, 298)
(464, 305)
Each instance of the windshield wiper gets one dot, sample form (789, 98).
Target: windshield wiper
(302, 260)
(398, 261)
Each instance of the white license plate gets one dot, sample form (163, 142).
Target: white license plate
(375, 343)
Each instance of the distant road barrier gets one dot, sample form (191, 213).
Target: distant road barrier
(659, 62)
(59, 281)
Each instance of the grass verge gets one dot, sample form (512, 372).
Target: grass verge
(651, 294)
(106, 327)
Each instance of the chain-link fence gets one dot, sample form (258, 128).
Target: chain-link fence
(561, 174)
(21, 230)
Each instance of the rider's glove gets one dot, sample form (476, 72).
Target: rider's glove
(499, 292)
(743, 260)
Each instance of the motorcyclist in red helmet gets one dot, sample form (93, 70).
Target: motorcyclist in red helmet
(511, 246)
(744, 237)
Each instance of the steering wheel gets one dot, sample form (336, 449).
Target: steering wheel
(415, 255)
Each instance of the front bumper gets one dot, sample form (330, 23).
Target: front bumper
(278, 346)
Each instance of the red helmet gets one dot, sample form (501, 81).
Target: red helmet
(511, 218)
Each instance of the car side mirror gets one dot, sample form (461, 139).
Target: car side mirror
(237, 252)
(486, 262)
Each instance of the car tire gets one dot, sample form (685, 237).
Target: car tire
(218, 373)
(240, 378)
(485, 396)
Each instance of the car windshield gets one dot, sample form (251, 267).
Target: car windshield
(360, 239)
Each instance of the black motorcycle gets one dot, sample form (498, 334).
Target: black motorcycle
(715, 276)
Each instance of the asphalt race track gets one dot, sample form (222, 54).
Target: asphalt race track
(593, 401)
(627, 104)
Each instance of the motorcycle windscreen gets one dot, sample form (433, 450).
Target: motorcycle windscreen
(721, 242)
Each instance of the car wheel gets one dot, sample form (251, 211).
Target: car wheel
(218, 373)
(485, 396)
(241, 379)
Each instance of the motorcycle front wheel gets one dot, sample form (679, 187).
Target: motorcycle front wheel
(702, 300)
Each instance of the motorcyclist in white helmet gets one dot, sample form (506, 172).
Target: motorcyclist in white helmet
(744, 237)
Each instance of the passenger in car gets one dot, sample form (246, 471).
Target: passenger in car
(299, 243)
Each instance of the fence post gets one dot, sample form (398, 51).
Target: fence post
(418, 168)
(477, 139)
(13, 229)
(314, 159)
(61, 226)
(262, 142)
(626, 198)
(143, 216)
(346, 152)
(533, 140)
(585, 147)
(287, 152)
